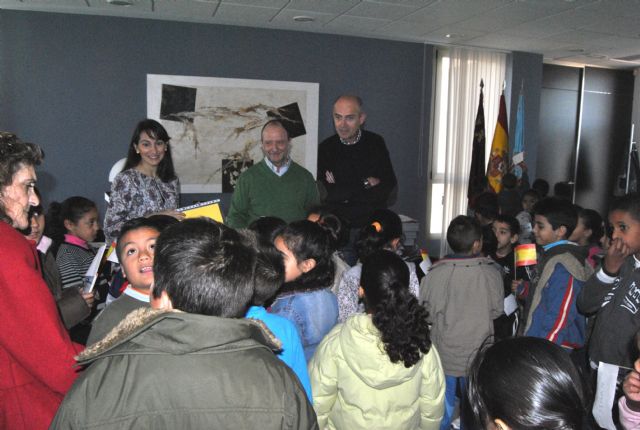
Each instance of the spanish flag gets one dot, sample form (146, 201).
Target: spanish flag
(498, 162)
(526, 255)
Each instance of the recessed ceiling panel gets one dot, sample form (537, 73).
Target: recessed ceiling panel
(352, 24)
(381, 10)
(323, 6)
(245, 15)
(191, 9)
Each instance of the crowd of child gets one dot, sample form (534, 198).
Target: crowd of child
(199, 325)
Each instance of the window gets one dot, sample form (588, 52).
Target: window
(457, 90)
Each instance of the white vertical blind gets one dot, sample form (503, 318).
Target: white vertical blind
(457, 94)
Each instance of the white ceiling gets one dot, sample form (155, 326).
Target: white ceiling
(591, 32)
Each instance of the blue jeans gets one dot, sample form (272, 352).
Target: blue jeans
(314, 314)
(453, 384)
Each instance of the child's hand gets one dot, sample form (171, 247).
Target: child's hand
(177, 215)
(615, 256)
(515, 284)
(88, 298)
(631, 388)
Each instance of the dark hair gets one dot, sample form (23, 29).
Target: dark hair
(267, 228)
(509, 181)
(402, 321)
(383, 226)
(320, 210)
(328, 218)
(541, 186)
(563, 190)
(462, 232)
(305, 240)
(135, 224)
(531, 193)
(512, 222)
(529, 383)
(14, 155)
(628, 203)
(205, 268)
(276, 122)
(558, 212)
(72, 209)
(155, 130)
(593, 221)
(162, 221)
(269, 271)
(486, 205)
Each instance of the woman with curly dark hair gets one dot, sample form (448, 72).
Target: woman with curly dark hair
(379, 369)
(36, 355)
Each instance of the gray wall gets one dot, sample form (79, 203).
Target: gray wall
(76, 85)
(525, 69)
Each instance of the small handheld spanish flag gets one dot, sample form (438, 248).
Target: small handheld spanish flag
(526, 255)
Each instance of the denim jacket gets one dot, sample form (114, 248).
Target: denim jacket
(314, 313)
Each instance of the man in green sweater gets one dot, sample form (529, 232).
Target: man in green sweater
(276, 186)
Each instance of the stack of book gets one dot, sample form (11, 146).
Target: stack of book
(410, 228)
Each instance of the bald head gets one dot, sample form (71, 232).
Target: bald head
(350, 98)
(348, 116)
(275, 142)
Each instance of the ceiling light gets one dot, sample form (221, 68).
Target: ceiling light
(120, 2)
(303, 18)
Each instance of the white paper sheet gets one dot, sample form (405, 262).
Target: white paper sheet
(518, 158)
(605, 393)
(92, 272)
(510, 304)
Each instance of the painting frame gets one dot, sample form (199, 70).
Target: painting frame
(206, 115)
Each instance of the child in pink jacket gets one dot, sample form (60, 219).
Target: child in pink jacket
(629, 404)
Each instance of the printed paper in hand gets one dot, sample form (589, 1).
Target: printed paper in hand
(518, 158)
(605, 393)
(510, 304)
(425, 264)
(92, 272)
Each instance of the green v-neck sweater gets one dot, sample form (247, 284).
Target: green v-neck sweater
(260, 192)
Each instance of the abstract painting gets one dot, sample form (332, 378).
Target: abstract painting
(215, 124)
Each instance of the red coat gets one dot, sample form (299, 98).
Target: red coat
(36, 354)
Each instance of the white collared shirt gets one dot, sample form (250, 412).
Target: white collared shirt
(278, 170)
(136, 294)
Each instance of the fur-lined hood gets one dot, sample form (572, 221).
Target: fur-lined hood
(147, 330)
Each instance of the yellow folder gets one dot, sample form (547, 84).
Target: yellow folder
(210, 209)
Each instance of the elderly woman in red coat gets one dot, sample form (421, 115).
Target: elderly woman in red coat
(36, 354)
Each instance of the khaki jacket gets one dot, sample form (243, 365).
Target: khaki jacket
(463, 296)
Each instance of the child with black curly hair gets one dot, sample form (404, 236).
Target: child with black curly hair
(378, 369)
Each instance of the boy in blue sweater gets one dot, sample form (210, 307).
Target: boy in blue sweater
(550, 306)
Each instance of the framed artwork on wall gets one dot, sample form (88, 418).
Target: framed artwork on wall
(215, 124)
